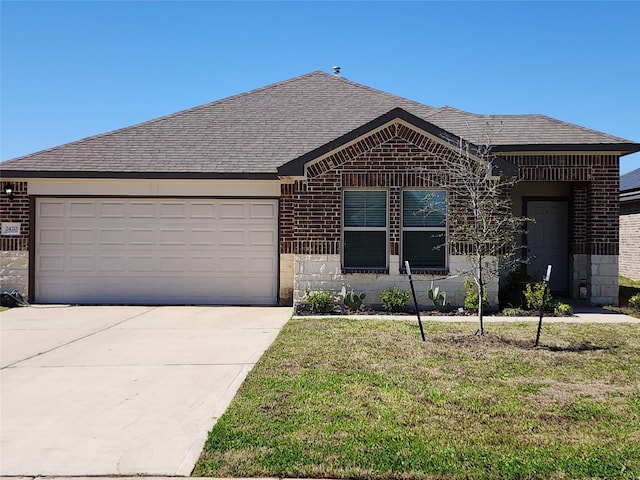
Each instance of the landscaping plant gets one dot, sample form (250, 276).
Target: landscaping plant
(634, 302)
(320, 301)
(394, 300)
(471, 299)
(439, 299)
(353, 301)
(537, 295)
(563, 310)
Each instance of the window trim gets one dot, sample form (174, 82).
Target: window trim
(445, 228)
(344, 229)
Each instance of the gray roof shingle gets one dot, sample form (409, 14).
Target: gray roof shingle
(254, 133)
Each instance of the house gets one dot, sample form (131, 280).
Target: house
(303, 184)
(630, 224)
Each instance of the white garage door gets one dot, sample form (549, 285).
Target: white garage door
(156, 251)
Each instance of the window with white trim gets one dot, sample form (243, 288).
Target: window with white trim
(365, 231)
(424, 229)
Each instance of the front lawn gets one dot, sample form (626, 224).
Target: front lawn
(368, 399)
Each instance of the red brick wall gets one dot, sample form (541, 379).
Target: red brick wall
(16, 210)
(398, 157)
(595, 192)
(394, 158)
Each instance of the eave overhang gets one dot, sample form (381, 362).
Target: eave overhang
(620, 148)
(630, 196)
(138, 175)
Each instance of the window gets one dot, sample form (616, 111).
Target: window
(424, 228)
(364, 229)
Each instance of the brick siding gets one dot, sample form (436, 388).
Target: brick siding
(311, 210)
(16, 210)
(630, 240)
(595, 191)
(397, 157)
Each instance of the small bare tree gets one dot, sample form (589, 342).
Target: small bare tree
(482, 225)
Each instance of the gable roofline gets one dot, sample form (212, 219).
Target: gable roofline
(296, 167)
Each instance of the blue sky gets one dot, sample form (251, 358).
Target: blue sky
(75, 69)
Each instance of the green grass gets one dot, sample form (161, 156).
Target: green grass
(338, 398)
(628, 288)
(627, 282)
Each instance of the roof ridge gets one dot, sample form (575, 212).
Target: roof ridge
(371, 89)
(165, 117)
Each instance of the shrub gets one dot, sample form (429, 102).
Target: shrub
(634, 302)
(563, 310)
(534, 293)
(394, 300)
(472, 296)
(514, 312)
(512, 292)
(320, 301)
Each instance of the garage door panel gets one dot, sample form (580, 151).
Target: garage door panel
(51, 236)
(203, 211)
(172, 210)
(263, 237)
(165, 251)
(111, 236)
(81, 236)
(51, 209)
(51, 263)
(171, 236)
(81, 263)
(232, 237)
(111, 210)
(141, 236)
(141, 210)
(78, 209)
(263, 211)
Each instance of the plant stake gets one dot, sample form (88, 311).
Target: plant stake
(545, 280)
(415, 300)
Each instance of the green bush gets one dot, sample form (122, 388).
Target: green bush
(472, 296)
(634, 302)
(394, 300)
(563, 310)
(320, 301)
(535, 294)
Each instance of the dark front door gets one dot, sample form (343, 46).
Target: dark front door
(548, 241)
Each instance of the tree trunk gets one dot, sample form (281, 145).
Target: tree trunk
(480, 330)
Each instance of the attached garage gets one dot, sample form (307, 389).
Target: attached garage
(156, 251)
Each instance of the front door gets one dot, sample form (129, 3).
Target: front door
(548, 241)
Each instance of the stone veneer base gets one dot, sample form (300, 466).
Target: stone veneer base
(324, 272)
(14, 272)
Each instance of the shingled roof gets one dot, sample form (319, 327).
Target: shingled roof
(630, 181)
(254, 133)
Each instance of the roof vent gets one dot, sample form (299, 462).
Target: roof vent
(336, 70)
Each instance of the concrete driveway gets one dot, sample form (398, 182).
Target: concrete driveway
(121, 390)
